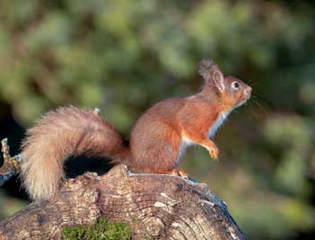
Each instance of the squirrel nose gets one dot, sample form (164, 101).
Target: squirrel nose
(248, 90)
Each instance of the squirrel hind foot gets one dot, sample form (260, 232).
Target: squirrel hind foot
(178, 172)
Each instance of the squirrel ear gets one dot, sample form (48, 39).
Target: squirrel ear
(211, 74)
(218, 79)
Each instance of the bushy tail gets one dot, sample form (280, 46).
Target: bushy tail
(59, 134)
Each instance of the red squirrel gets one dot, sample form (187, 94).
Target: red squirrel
(157, 142)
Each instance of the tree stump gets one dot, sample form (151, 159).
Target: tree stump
(154, 206)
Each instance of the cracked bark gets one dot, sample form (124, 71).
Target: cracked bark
(155, 207)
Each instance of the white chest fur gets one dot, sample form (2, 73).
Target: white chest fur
(186, 142)
(215, 126)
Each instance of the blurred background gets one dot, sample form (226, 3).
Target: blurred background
(123, 56)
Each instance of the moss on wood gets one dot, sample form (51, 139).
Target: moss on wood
(102, 230)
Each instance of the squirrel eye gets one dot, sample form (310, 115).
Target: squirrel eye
(235, 85)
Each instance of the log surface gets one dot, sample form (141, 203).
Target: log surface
(155, 207)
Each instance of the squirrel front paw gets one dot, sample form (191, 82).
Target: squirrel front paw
(214, 152)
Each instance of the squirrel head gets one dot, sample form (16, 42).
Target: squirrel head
(229, 91)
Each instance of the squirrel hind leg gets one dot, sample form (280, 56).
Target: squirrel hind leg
(156, 155)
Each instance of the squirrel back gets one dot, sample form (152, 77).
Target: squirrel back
(59, 134)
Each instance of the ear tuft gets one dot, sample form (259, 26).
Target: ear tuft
(204, 68)
(211, 74)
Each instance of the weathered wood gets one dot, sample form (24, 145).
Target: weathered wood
(155, 206)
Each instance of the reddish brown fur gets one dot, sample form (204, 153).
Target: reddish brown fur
(158, 134)
(157, 139)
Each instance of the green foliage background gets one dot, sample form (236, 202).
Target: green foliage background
(122, 56)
